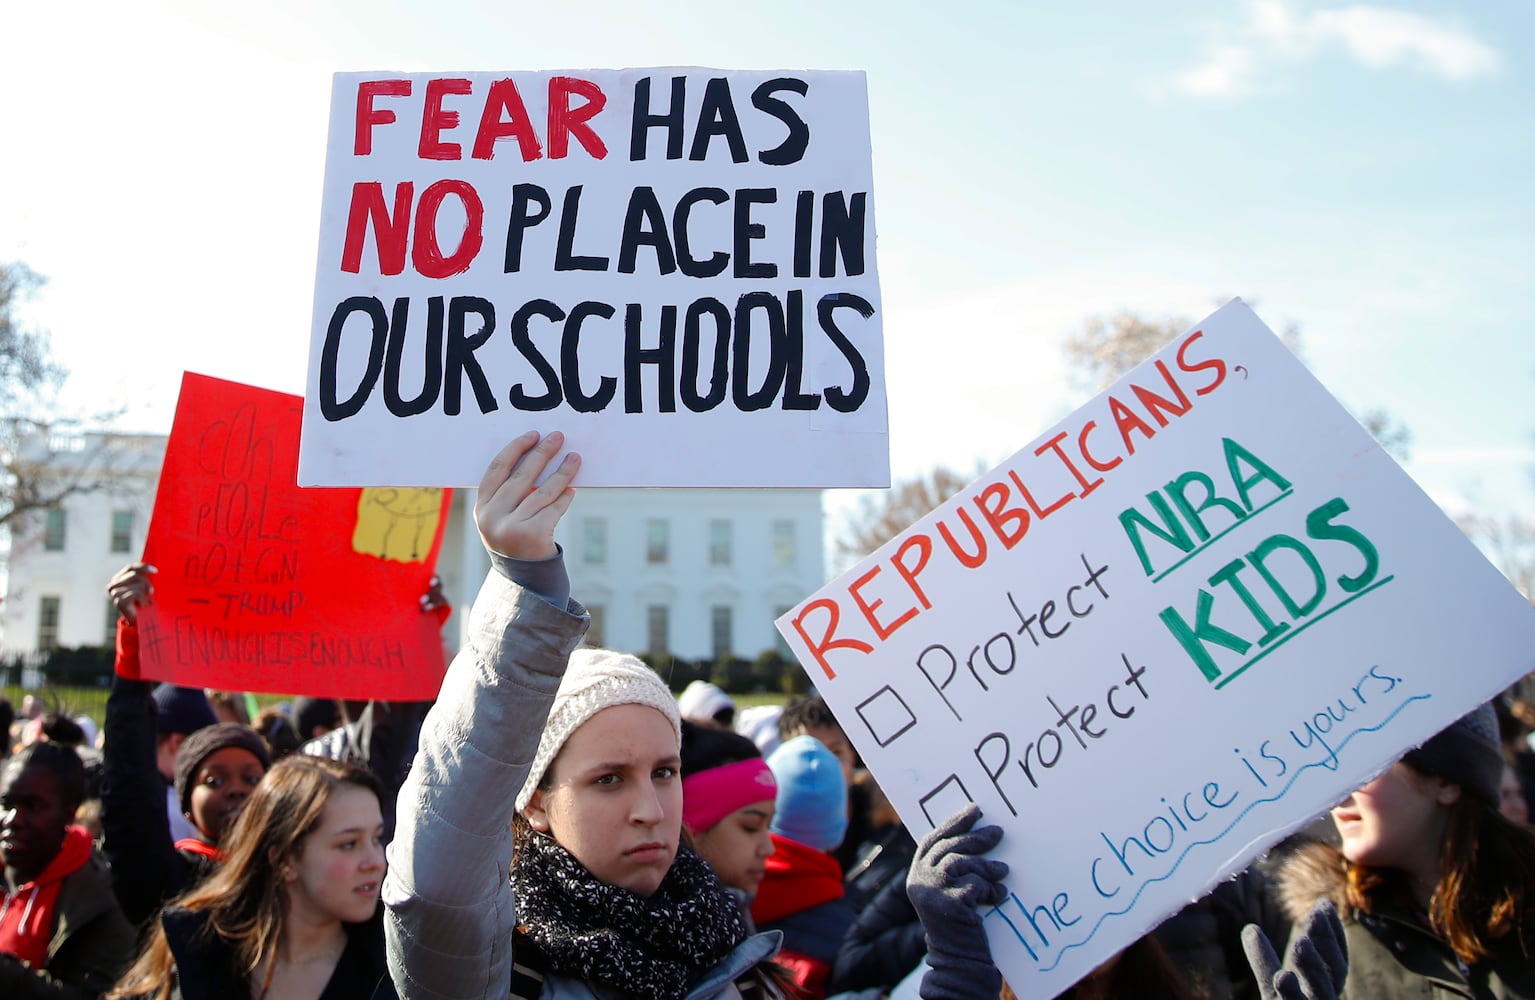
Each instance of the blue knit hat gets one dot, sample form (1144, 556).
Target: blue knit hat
(812, 794)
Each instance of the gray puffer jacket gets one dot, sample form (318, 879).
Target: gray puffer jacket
(451, 910)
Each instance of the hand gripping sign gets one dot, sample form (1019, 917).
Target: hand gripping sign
(1190, 617)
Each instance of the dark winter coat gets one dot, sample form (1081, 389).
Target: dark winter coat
(1393, 954)
(206, 969)
(883, 946)
(1204, 939)
(92, 943)
(147, 870)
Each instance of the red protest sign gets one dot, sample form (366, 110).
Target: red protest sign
(263, 586)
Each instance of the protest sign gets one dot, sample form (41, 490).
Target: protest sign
(674, 266)
(263, 586)
(1195, 614)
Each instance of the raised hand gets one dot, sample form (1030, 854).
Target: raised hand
(516, 517)
(1315, 966)
(130, 587)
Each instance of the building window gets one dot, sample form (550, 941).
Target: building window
(53, 532)
(596, 631)
(657, 629)
(122, 530)
(783, 543)
(48, 625)
(111, 636)
(719, 630)
(719, 543)
(594, 540)
(657, 540)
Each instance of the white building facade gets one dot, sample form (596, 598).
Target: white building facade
(61, 559)
(698, 574)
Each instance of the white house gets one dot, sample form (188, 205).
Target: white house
(61, 559)
(696, 573)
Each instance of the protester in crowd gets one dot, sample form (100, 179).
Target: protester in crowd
(706, 705)
(229, 706)
(952, 882)
(293, 912)
(759, 723)
(728, 794)
(214, 772)
(381, 737)
(886, 942)
(802, 892)
(1436, 887)
(62, 934)
(809, 715)
(314, 717)
(177, 712)
(278, 733)
(582, 748)
(885, 853)
(57, 727)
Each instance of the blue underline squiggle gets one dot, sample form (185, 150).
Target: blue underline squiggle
(997, 910)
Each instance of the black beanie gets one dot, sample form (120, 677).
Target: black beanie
(1467, 753)
(205, 743)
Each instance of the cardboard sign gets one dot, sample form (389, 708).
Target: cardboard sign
(674, 266)
(1195, 614)
(263, 586)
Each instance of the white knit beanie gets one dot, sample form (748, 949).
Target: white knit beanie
(596, 679)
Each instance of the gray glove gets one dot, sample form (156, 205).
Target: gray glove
(948, 883)
(1316, 964)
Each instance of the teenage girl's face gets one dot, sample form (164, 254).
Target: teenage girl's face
(738, 846)
(340, 866)
(220, 787)
(1397, 821)
(615, 797)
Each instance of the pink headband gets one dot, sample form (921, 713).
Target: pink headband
(709, 796)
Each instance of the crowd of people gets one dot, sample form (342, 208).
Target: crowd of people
(560, 824)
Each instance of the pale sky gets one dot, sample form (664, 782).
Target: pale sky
(1361, 170)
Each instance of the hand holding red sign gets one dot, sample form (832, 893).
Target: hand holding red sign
(264, 586)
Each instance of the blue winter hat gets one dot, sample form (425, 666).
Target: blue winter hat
(181, 709)
(812, 794)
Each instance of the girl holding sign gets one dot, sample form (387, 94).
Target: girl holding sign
(541, 822)
(1436, 887)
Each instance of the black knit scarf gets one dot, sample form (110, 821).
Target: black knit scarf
(650, 946)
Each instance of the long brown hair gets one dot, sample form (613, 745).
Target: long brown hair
(1483, 901)
(246, 899)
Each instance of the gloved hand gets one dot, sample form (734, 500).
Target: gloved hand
(1315, 966)
(948, 883)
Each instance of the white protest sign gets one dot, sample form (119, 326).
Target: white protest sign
(1193, 615)
(674, 266)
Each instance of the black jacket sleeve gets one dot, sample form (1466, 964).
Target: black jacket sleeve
(884, 945)
(136, 833)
